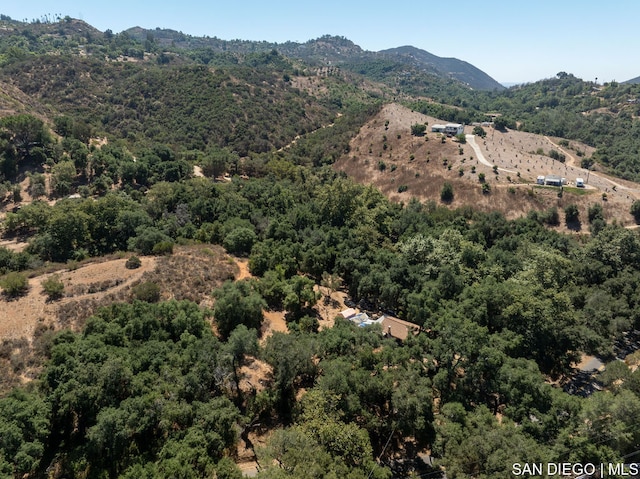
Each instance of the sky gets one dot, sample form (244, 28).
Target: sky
(513, 41)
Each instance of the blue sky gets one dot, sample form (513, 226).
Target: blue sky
(512, 41)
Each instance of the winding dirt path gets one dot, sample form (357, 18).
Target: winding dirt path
(595, 179)
(471, 140)
(571, 159)
(243, 266)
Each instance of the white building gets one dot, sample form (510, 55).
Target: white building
(553, 180)
(453, 129)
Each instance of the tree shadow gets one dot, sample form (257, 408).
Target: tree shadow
(9, 297)
(574, 226)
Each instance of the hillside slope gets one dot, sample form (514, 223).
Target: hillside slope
(331, 50)
(245, 108)
(13, 101)
(385, 154)
(454, 68)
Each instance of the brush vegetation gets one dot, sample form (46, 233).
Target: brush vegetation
(179, 148)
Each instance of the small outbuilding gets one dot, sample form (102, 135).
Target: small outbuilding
(553, 180)
(348, 313)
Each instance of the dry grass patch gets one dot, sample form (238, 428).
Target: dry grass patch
(192, 273)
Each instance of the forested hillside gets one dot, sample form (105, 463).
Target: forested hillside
(118, 148)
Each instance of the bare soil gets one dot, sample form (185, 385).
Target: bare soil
(328, 310)
(13, 245)
(243, 269)
(19, 317)
(385, 154)
(274, 321)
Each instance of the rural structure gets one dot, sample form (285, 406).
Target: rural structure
(450, 129)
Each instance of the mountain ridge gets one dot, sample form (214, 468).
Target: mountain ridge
(445, 67)
(459, 69)
(329, 50)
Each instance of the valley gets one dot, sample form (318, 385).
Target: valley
(230, 258)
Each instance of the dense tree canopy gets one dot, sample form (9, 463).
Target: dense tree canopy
(151, 388)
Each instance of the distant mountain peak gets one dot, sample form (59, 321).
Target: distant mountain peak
(333, 44)
(458, 69)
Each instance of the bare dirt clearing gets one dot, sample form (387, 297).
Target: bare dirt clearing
(385, 154)
(91, 281)
(13, 245)
(243, 267)
(192, 272)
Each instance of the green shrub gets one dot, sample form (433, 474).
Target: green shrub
(147, 291)
(133, 262)
(163, 248)
(14, 284)
(572, 214)
(550, 217)
(53, 287)
(240, 241)
(146, 239)
(479, 131)
(446, 194)
(635, 211)
(557, 156)
(418, 129)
